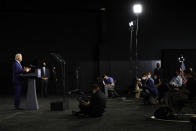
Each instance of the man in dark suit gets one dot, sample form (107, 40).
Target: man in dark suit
(158, 71)
(44, 80)
(54, 81)
(17, 81)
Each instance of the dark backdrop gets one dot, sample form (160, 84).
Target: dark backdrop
(85, 35)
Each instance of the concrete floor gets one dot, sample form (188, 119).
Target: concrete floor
(119, 116)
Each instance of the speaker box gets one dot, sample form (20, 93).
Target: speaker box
(57, 106)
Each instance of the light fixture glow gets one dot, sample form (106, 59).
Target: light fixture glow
(131, 24)
(181, 59)
(137, 8)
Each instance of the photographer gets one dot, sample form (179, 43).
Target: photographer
(178, 98)
(150, 92)
(176, 81)
(109, 84)
(94, 107)
(138, 88)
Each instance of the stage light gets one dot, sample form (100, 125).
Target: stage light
(181, 59)
(137, 8)
(131, 24)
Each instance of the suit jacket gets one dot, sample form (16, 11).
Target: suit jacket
(158, 72)
(47, 73)
(17, 71)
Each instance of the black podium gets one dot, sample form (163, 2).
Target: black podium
(31, 101)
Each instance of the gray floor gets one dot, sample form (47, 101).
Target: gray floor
(119, 116)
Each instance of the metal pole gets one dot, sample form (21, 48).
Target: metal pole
(136, 44)
(131, 48)
(131, 56)
(64, 79)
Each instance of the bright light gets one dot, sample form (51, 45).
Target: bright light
(181, 59)
(137, 8)
(131, 24)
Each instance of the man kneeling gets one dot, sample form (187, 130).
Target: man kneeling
(94, 107)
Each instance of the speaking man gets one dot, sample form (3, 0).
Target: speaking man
(17, 81)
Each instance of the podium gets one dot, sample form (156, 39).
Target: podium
(31, 101)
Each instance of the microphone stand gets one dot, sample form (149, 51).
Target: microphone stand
(62, 63)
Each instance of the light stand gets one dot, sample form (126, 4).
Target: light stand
(77, 77)
(62, 63)
(136, 44)
(131, 25)
(181, 60)
(131, 58)
(137, 9)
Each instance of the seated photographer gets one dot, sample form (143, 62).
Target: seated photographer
(190, 89)
(138, 88)
(94, 107)
(178, 98)
(176, 81)
(109, 84)
(150, 92)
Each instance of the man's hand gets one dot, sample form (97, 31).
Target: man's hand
(44, 78)
(110, 85)
(86, 103)
(26, 69)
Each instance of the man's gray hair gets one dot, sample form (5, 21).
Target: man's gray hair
(17, 56)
